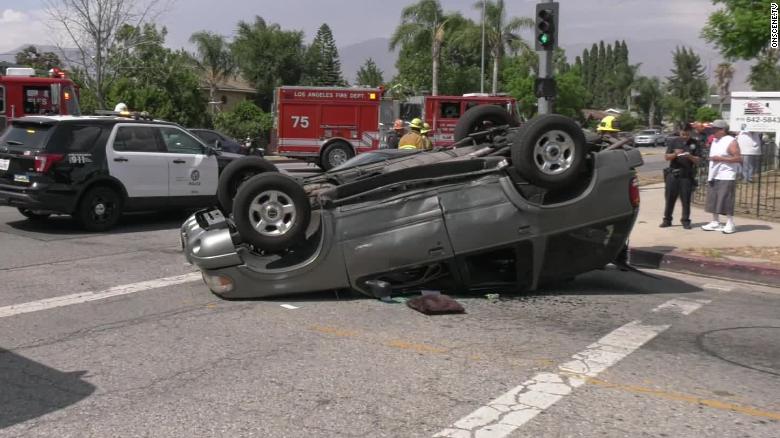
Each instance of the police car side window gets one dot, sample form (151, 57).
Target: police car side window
(74, 138)
(177, 141)
(135, 139)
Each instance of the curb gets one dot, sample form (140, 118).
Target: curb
(280, 159)
(759, 273)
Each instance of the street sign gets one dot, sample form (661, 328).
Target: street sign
(755, 111)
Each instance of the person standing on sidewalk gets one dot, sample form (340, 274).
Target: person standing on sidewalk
(683, 157)
(750, 148)
(725, 159)
(394, 136)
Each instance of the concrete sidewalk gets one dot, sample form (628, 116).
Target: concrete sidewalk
(742, 255)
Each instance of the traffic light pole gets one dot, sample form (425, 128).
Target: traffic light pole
(544, 105)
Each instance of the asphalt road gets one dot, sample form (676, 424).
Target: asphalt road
(610, 354)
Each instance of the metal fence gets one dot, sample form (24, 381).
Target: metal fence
(759, 198)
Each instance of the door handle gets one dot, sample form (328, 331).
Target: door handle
(439, 250)
(179, 161)
(120, 159)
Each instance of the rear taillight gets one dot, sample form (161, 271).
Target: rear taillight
(44, 162)
(633, 192)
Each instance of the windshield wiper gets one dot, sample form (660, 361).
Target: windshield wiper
(14, 143)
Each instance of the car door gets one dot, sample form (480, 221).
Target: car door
(136, 158)
(192, 171)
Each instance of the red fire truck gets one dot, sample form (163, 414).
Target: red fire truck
(329, 125)
(23, 94)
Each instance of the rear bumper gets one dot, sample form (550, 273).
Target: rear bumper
(37, 198)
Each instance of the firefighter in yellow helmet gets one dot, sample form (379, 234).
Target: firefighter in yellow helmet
(413, 139)
(427, 145)
(608, 124)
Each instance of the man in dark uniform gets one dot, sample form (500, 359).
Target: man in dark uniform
(683, 155)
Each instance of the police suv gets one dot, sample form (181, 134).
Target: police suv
(97, 167)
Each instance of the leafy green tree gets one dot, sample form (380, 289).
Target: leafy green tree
(650, 96)
(628, 122)
(268, 57)
(245, 120)
(92, 27)
(369, 74)
(765, 75)
(707, 114)
(153, 78)
(687, 85)
(213, 61)
(502, 33)
(740, 30)
(423, 24)
(42, 62)
(322, 64)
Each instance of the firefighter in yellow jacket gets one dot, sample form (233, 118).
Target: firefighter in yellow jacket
(426, 144)
(413, 139)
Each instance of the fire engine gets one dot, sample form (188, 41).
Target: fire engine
(23, 94)
(329, 125)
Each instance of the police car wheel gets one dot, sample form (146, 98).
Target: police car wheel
(335, 155)
(99, 209)
(271, 212)
(549, 151)
(236, 173)
(33, 215)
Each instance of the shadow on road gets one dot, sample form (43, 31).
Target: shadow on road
(129, 223)
(29, 389)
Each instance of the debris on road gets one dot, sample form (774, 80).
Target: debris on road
(435, 304)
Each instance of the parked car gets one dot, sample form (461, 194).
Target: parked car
(217, 140)
(503, 208)
(650, 137)
(95, 168)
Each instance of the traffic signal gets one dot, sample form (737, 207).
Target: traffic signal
(546, 26)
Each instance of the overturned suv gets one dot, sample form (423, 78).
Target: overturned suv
(504, 208)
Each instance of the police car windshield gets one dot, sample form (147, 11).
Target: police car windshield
(24, 136)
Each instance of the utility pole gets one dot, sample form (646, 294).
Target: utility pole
(482, 70)
(546, 42)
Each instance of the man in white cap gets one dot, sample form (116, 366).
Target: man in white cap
(725, 159)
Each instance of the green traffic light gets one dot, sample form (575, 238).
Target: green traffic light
(544, 38)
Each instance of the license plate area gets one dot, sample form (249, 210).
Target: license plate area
(211, 219)
(5, 164)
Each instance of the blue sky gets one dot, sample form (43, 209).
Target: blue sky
(353, 21)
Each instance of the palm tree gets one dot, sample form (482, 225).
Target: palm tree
(724, 73)
(423, 24)
(650, 96)
(214, 60)
(501, 35)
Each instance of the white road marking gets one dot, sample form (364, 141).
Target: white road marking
(718, 287)
(684, 306)
(518, 406)
(289, 306)
(83, 297)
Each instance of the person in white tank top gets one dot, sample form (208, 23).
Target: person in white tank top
(725, 159)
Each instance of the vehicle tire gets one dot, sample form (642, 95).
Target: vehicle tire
(335, 155)
(479, 118)
(236, 173)
(32, 215)
(271, 211)
(99, 209)
(549, 151)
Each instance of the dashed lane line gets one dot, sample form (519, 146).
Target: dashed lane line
(83, 297)
(521, 404)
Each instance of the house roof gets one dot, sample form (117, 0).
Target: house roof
(235, 84)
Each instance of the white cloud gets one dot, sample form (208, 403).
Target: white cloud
(22, 27)
(11, 16)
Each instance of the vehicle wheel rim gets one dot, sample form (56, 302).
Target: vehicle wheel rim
(101, 210)
(554, 152)
(272, 213)
(337, 157)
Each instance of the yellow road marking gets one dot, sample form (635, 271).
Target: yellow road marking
(419, 348)
(335, 331)
(715, 404)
